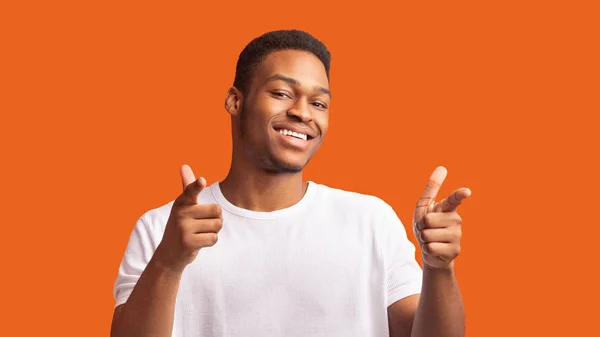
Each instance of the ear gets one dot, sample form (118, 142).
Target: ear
(233, 101)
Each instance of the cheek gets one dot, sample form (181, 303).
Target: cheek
(255, 125)
(265, 110)
(322, 121)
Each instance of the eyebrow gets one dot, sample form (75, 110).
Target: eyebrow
(291, 81)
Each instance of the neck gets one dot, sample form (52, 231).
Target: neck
(257, 190)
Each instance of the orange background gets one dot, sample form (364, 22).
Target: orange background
(102, 102)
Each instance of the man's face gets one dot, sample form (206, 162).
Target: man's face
(285, 113)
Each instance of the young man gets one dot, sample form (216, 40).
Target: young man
(263, 253)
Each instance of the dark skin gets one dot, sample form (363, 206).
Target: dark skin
(291, 88)
(289, 91)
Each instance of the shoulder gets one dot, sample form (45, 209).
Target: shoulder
(366, 211)
(353, 202)
(155, 219)
(158, 214)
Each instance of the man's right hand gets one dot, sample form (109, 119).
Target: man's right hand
(191, 226)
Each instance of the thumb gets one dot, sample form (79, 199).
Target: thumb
(191, 186)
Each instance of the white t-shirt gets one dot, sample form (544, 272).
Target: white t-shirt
(329, 265)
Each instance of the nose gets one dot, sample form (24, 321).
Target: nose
(300, 110)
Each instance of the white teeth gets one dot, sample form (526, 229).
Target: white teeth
(293, 134)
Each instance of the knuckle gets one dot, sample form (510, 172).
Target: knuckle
(425, 236)
(458, 233)
(212, 239)
(457, 250)
(426, 219)
(218, 225)
(216, 210)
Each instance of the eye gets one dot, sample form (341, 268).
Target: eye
(320, 105)
(280, 94)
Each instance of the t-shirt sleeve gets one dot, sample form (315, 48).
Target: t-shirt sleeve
(138, 253)
(403, 274)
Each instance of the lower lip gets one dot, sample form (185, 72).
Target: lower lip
(293, 141)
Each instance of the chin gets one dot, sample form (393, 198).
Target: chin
(287, 165)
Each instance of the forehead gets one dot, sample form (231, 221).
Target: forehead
(302, 66)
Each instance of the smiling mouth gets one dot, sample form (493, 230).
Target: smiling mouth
(294, 134)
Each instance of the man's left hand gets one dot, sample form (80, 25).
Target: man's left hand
(437, 225)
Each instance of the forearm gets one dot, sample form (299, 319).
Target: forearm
(440, 312)
(150, 308)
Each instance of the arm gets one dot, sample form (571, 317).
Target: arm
(149, 310)
(148, 281)
(440, 311)
(437, 311)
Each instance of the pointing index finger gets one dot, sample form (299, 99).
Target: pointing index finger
(187, 176)
(191, 186)
(433, 186)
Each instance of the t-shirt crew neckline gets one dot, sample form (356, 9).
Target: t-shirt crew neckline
(311, 191)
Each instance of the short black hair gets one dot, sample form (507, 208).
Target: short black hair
(256, 51)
